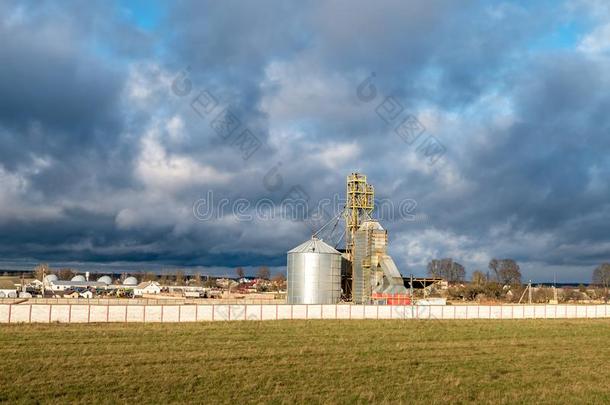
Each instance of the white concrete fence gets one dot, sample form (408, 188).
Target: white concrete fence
(78, 313)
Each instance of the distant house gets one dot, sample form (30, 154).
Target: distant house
(71, 294)
(147, 287)
(86, 294)
(8, 289)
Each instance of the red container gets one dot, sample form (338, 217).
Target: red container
(392, 299)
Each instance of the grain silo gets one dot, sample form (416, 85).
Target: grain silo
(370, 242)
(314, 273)
(374, 271)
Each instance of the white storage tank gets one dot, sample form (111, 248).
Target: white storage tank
(130, 281)
(314, 274)
(105, 280)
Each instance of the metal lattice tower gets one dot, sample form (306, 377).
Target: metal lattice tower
(358, 207)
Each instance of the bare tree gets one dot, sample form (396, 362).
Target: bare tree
(40, 271)
(601, 277)
(506, 271)
(240, 272)
(479, 278)
(197, 280)
(65, 274)
(209, 282)
(279, 281)
(179, 278)
(263, 273)
(446, 269)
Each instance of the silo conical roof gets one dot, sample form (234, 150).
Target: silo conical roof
(314, 245)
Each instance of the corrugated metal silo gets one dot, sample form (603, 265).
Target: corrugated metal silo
(314, 274)
(370, 241)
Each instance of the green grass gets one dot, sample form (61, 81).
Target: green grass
(526, 361)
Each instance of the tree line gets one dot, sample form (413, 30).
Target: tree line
(503, 271)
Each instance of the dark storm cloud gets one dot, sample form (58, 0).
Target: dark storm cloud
(60, 101)
(101, 162)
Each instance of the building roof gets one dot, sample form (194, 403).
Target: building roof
(314, 245)
(67, 283)
(147, 283)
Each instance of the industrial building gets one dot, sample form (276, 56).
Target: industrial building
(362, 272)
(80, 284)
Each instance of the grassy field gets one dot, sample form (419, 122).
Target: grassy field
(527, 361)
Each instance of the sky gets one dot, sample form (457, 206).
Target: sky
(152, 134)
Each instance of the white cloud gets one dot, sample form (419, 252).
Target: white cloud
(167, 172)
(335, 155)
(19, 201)
(147, 82)
(598, 41)
(175, 128)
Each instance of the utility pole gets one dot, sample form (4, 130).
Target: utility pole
(528, 289)
(411, 292)
(411, 287)
(44, 280)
